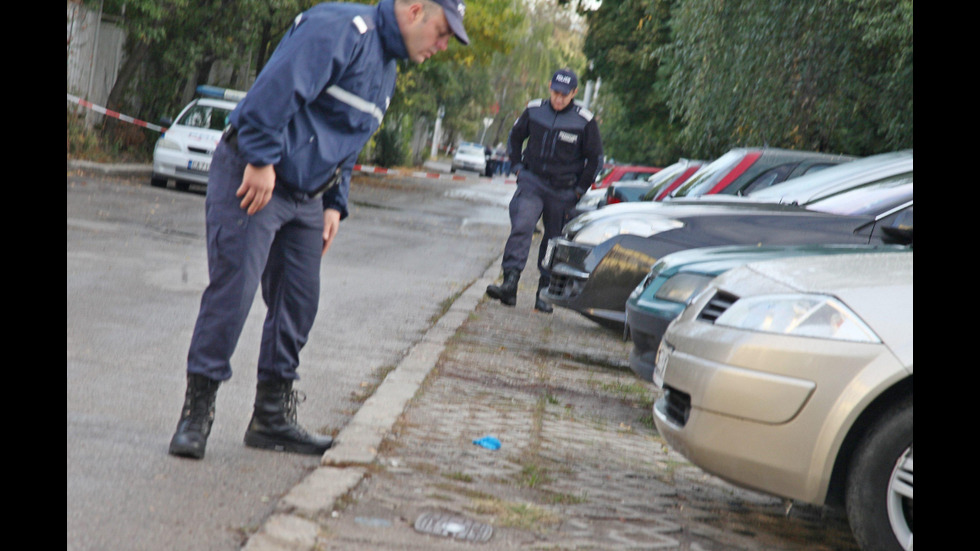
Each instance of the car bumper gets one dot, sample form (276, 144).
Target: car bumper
(475, 167)
(766, 412)
(646, 327)
(180, 166)
(599, 293)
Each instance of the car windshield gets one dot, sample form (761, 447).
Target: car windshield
(205, 116)
(663, 178)
(868, 200)
(470, 150)
(709, 175)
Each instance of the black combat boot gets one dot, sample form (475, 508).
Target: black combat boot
(195, 418)
(273, 425)
(507, 291)
(542, 305)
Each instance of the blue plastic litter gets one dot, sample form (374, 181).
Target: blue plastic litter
(488, 442)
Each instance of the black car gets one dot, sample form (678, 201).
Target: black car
(595, 266)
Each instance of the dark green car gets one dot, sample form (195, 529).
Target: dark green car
(677, 278)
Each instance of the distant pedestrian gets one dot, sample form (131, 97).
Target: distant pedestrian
(277, 192)
(556, 167)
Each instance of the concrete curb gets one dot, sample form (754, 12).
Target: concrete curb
(115, 169)
(293, 527)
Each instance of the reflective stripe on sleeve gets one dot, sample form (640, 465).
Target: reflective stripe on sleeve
(356, 102)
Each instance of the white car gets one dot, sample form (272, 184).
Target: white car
(183, 153)
(470, 156)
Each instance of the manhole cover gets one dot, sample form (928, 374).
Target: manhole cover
(452, 526)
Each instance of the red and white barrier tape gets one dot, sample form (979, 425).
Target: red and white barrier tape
(417, 174)
(114, 114)
(360, 168)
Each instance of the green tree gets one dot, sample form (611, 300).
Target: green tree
(791, 74)
(624, 47)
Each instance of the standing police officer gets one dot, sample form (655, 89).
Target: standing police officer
(277, 191)
(556, 167)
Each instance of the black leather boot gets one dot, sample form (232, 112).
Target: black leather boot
(506, 292)
(273, 425)
(541, 305)
(196, 417)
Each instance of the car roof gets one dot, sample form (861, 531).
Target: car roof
(810, 187)
(213, 102)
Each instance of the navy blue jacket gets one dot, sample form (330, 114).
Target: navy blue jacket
(322, 96)
(563, 147)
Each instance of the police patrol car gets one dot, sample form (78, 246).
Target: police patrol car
(183, 152)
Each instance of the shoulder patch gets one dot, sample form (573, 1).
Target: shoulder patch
(585, 113)
(362, 26)
(297, 21)
(535, 103)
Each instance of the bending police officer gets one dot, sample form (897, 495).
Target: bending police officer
(554, 169)
(277, 191)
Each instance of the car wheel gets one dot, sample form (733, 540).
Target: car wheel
(183, 186)
(158, 182)
(879, 484)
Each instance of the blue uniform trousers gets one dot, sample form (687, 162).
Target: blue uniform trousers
(278, 246)
(535, 198)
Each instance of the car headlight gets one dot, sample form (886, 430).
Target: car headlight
(164, 143)
(681, 288)
(818, 316)
(603, 230)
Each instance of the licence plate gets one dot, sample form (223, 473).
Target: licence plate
(549, 251)
(660, 368)
(200, 166)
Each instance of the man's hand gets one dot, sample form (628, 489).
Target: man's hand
(331, 225)
(256, 188)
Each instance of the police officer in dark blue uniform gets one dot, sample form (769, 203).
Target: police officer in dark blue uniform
(555, 167)
(277, 191)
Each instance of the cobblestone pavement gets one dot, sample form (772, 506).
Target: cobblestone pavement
(580, 466)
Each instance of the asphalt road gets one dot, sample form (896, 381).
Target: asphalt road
(136, 268)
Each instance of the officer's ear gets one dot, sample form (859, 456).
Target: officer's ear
(417, 11)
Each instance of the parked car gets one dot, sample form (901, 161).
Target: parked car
(800, 190)
(676, 279)
(746, 169)
(659, 184)
(738, 172)
(595, 266)
(616, 173)
(183, 152)
(470, 156)
(794, 377)
(676, 175)
(595, 196)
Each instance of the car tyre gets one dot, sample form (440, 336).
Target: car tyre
(158, 182)
(183, 186)
(879, 483)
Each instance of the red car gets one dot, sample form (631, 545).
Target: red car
(746, 169)
(655, 187)
(616, 173)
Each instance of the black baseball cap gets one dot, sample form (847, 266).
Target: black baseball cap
(564, 81)
(454, 10)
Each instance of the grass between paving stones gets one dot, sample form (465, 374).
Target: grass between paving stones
(524, 516)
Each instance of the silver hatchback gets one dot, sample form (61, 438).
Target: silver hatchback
(794, 377)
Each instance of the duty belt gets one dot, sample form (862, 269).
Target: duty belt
(230, 137)
(560, 182)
